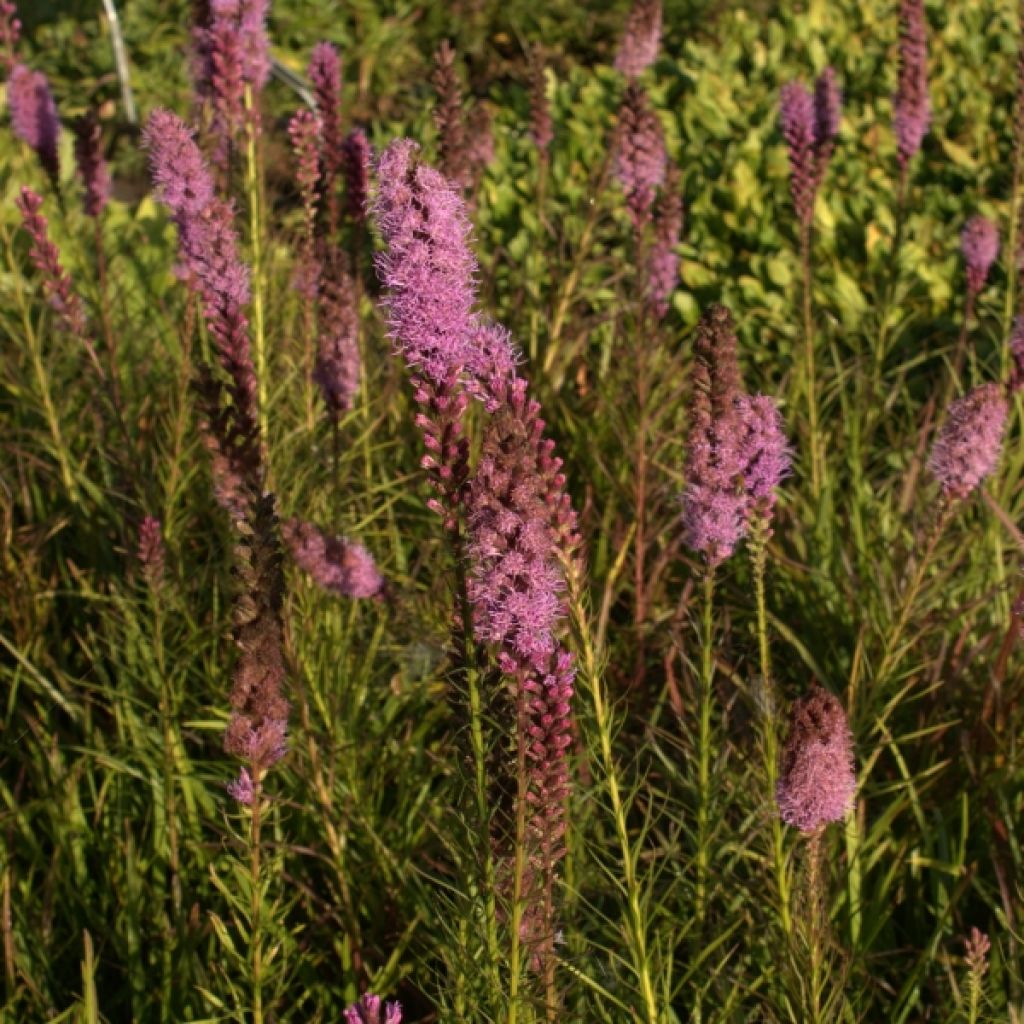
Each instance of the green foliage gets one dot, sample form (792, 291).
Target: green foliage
(125, 889)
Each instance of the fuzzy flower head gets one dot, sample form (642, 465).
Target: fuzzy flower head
(970, 442)
(370, 1010)
(34, 114)
(247, 18)
(641, 38)
(325, 74)
(764, 452)
(817, 782)
(338, 565)
(796, 115)
(979, 242)
(640, 158)
(911, 104)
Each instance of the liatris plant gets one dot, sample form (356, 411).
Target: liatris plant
(34, 116)
(91, 163)
(976, 950)
(209, 260)
(640, 39)
(1016, 381)
(338, 565)
(325, 73)
(979, 242)
(368, 1011)
(448, 116)
(970, 442)
(541, 128)
(357, 155)
(817, 784)
(911, 103)
(336, 370)
(640, 158)
(809, 126)
(662, 257)
(521, 528)
(151, 554)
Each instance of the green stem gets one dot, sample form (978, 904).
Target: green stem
(256, 899)
(769, 733)
(252, 189)
(704, 743)
(816, 921)
(810, 376)
(519, 869)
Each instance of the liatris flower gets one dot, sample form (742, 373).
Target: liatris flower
(641, 38)
(304, 133)
(46, 258)
(979, 242)
(640, 159)
(357, 155)
(368, 1011)
(828, 109)
(796, 112)
(662, 259)
(256, 732)
(249, 19)
(208, 249)
(976, 949)
(970, 442)
(10, 32)
(541, 129)
(92, 165)
(764, 453)
(816, 778)
(325, 74)
(448, 117)
(911, 103)
(337, 564)
(151, 554)
(34, 115)
(480, 146)
(336, 371)
(715, 508)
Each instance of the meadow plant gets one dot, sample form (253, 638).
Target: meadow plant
(357, 158)
(453, 153)
(968, 446)
(663, 257)
(541, 125)
(979, 242)
(325, 74)
(369, 1011)
(641, 38)
(911, 103)
(151, 554)
(338, 565)
(91, 164)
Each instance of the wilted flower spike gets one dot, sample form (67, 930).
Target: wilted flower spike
(337, 564)
(979, 242)
(337, 366)
(34, 115)
(640, 158)
(970, 442)
(816, 783)
(541, 130)
(641, 38)
(448, 116)
(911, 103)
(92, 165)
(764, 452)
(368, 1011)
(357, 156)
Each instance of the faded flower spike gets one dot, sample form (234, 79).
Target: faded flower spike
(979, 242)
(971, 440)
(91, 163)
(816, 779)
(640, 158)
(641, 38)
(368, 1011)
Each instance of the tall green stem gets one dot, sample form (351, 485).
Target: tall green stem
(252, 189)
(256, 899)
(810, 375)
(769, 715)
(704, 742)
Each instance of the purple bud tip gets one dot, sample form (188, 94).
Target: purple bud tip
(368, 1011)
(817, 782)
(151, 553)
(970, 442)
(242, 788)
(641, 38)
(979, 242)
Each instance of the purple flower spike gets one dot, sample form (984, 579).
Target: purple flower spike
(92, 165)
(911, 103)
(541, 128)
(10, 32)
(325, 74)
(764, 452)
(34, 115)
(970, 442)
(663, 260)
(979, 242)
(339, 565)
(817, 783)
(337, 367)
(797, 117)
(248, 18)
(151, 554)
(641, 38)
(357, 156)
(242, 788)
(368, 1011)
(640, 158)
(1017, 352)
